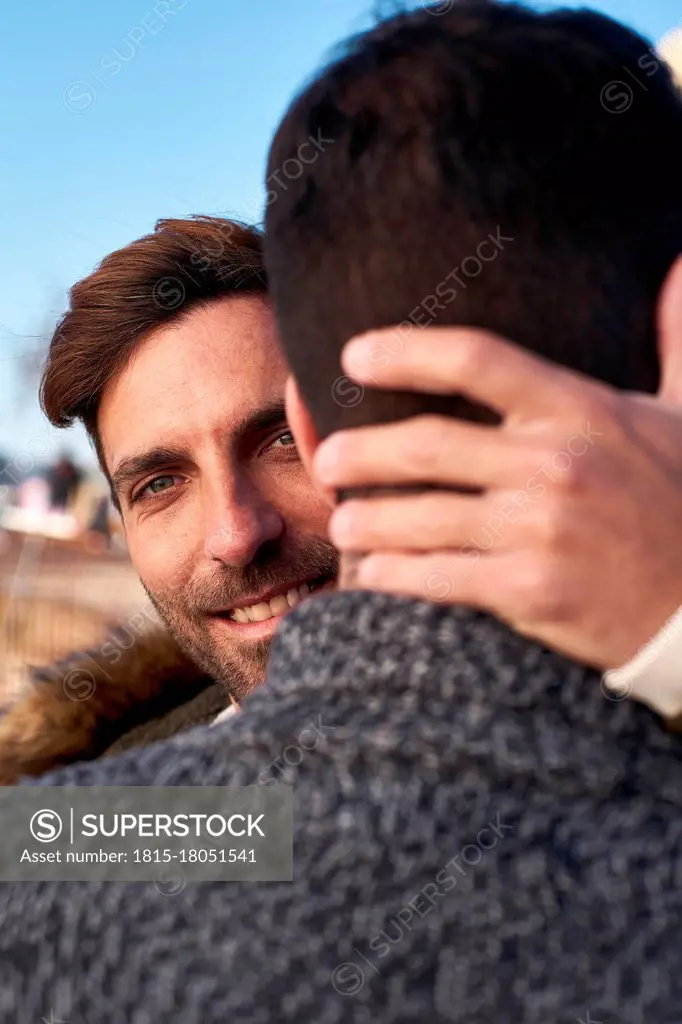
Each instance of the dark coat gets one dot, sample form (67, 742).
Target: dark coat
(480, 835)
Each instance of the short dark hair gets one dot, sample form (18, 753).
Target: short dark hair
(149, 283)
(489, 121)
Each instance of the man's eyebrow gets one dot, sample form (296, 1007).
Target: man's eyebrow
(137, 465)
(263, 419)
(140, 463)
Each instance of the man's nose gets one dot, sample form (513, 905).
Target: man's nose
(238, 524)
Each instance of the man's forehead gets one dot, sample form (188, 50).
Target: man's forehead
(212, 372)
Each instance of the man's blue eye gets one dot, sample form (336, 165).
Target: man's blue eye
(286, 439)
(158, 484)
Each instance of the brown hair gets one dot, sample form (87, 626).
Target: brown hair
(149, 283)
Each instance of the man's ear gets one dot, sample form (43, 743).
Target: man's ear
(305, 435)
(670, 335)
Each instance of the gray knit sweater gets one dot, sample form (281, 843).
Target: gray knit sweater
(480, 836)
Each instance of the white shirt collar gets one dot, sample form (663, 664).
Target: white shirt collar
(224, 715)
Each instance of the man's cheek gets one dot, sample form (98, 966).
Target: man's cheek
(160, 562)
(300, 503)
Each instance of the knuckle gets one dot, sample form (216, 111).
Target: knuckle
(348, 520)
(567, 479)
(603, 406)
(421, 448)
(377, 570)
(569, 467)
(429, 427)
(538, 590)
(578, 477)
(467, 358)
(550, 522)
(348, 455)
(594, 401)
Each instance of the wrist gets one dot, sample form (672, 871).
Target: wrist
(654, 674)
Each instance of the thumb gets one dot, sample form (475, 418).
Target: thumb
(670, 335)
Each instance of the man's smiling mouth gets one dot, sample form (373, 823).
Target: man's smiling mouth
(277, 602)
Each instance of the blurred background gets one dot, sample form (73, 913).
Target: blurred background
(114, 115)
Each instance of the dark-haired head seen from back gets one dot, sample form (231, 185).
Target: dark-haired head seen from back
(478, 171)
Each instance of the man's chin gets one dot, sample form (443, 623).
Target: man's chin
(240, 668)
(246, 645)
(232, 653)
(240, 651)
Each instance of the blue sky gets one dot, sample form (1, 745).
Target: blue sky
(115, 114)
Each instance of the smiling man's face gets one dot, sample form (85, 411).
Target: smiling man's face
(224, 527)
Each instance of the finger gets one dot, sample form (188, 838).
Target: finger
(425, 522)
(305, 434)
(449, 360)
(443, 577)
(430, 449)
(670, 335)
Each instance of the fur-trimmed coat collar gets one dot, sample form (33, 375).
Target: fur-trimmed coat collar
(89, 705)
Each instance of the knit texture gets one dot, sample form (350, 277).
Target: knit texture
(481, 836)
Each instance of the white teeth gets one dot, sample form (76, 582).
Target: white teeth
(267, 609)
(279, 605)
(259, 612)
